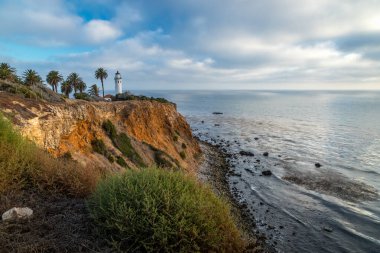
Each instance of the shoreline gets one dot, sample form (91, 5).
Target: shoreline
(213, 171)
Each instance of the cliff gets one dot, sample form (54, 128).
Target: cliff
(106, 134)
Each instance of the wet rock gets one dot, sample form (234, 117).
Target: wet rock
(17, 213)
(266, 173)
(217, 125)
(318, 165)
(327, 229)
(246, 153)
(202, 121)
(265, 154)
(217, 113)
(258, 160)
(281, 227)
(256, 138)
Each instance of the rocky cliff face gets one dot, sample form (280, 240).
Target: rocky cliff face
(143, 133)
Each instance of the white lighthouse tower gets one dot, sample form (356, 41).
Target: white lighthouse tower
(118, 83)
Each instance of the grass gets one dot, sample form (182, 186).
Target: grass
(19, 89)
(154, 210)
(23, 165)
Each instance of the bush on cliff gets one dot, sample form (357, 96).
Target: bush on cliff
(123, 143)
(23, 165)
(154, 210)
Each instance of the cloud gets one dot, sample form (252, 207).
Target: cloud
(51, 24)
(98, 31)
(206, 44)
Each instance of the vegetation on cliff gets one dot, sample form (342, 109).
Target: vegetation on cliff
(123, 143)
(24, 165)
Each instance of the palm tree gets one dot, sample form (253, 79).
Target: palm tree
(81, 86)
(53, 78)
(31, 77)
(74, 80)
(101, 74)
(94, 90)
(66, 88)
(6, 71)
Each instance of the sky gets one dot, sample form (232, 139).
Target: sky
(198, 44)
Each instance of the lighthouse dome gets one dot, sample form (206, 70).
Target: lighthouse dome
(117, 75)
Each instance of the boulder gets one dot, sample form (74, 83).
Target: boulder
(318, 165)
(246, 153)
(265, 154)
(266, 173)
(17, 213)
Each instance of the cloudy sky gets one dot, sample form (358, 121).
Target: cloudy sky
(198, 44)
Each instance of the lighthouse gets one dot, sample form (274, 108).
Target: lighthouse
(118, 83)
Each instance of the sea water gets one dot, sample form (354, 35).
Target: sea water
(300, 208)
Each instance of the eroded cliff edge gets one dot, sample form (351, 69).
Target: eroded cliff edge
(146, 132)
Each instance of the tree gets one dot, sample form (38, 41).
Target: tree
(81, 86)
(66, 88)
(53, 78)
(101, 74)
(7, 72)
(75, 81)
(31, 77)
(94, 90)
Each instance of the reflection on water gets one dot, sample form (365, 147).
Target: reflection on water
(332, 208)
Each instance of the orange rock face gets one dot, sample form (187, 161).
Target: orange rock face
(71, 127)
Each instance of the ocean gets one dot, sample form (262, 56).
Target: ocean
(300, 207)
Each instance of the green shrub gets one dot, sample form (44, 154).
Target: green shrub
(123, 143)
(110, 158)
(154, 210)
(184, 146)
(110, 129)
(182, 154)
(19, 89)
(99, 147)
(163, 160)
(175, 138)
(121, 162)
(67, 156)
(83, 96)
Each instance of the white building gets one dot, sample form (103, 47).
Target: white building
(118, 83)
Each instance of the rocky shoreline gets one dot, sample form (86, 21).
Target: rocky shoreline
(213, 171)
